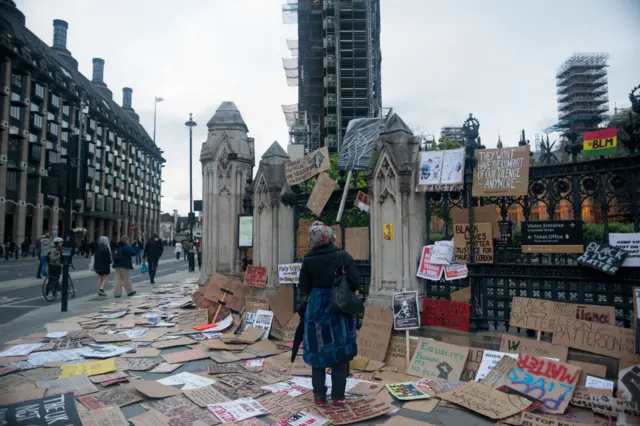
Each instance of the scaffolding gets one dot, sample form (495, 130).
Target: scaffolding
(582, 92)
(290, 12)
(291, 71)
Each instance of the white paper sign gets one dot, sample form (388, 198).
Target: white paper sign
(249, 318)
(253, 363)
(245, 231)
(489, 360)
(22, 350)
(456, 271)
(289, 388)
(452, 166)
(442, 253)
(598, 383)
(306, 419)
(263, 320)
(37, 359)
(238, 410)
(630, 243)
(289, 273)
(113, 315)
(189, 380)
(104, 351)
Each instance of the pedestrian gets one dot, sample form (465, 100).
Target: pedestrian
(199, 254)
(138, 251)
(25, 248)
(184, 250)
(152, 253)
(44, 247)
(11, 249)
(102, 264)
(317, 274)
(123, 265)
(191, 253)
(178, 250)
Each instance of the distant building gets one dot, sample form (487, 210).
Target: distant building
(453, 132)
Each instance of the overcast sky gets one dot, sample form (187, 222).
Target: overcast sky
(441, 60)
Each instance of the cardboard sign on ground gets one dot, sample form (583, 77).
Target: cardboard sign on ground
(531, 419)
(183, 341)
(520, 345)
(486, 401)
(549, 381)
(540, 314)
(356, 411)
(153, 389)
(501, 172)
(482, 246)
(437, 360)
(288, 332)
(397, 352)
(590, 369)
(188, 355)
(470, 370)
(602, 339)
(374, 335)
(321, 193)
(628, 380)
(281, 304)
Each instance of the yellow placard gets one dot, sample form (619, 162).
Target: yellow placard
(89, 368)
(387, 231)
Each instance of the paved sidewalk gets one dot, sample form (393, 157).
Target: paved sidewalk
(77, 274)
(34, 321)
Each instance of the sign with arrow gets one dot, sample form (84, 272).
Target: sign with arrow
(552, 236)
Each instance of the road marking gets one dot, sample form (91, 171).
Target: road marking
(24, 300)
(21, 306)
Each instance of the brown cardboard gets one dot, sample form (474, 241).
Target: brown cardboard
(483, 243)
(555, 380)
(183, 341)
(590, 369)
(219, 345)
(305, 168)
(480, 214)
(143, 353)
(250, 335)
(117, 396)
(462, 295)
(356, 242)
(288, 332)
(602, 339)
(302, 237)
(423, 405)
(108, 416)
(355, 411)
(540, 314)
(282, 304)
(498, 375)
(470, 370)
(531, 419)
(205, 396)
(189, 319)
(437, 360)
(397, 352)
(486, 401)
(628, 380)
(605, 404)
(501, 172)
(150, 418)
(188, 355)
(321, 193)
(79, 385)
(519, 345)
(374, 335)
(153, 389)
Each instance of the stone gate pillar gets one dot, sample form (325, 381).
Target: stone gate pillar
(227, 162)
(392, 185)
(272, 220)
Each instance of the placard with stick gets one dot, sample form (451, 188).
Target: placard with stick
(406, 314)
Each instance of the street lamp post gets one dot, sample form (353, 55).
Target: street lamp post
(190, 124)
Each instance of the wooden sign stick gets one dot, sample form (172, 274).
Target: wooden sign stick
(539, 334)
(246, 302)
(343, 201)
(221, 303)
(406, 339)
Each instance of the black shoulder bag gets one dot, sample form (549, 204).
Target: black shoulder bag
(343, 300)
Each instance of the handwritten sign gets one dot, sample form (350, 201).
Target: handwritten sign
(373, 338)
(629, 243)
(446, 313)
(437, 360)
(482, 242)
(602, 339)
(501, 172)
(520, 345)
(549, 381)
(289, 273)
(305, 168)
(539, 314)
(397, 352)
(486, 401)
(321, 193)
(470, 370)
(88, 368)
(489, 360)
(42, 412)
(245, 231)
(605, 259)
(256, 276)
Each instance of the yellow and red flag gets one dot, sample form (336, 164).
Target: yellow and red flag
(601, 142)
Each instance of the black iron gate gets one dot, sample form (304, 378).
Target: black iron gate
(601, 192)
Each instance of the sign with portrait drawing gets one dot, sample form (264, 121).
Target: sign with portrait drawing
(406, 315)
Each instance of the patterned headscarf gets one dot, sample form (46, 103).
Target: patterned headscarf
(320, 234)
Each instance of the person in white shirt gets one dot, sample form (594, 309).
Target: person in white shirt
(178, 250)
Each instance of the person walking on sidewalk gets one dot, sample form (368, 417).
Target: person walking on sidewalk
(319, 268)
(152, 253)
(188, 248)
(199, 254)
(44, 245)
(123, 265)
(178, 250)
(102, 263)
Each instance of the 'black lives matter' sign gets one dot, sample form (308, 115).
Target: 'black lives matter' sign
(604, 258)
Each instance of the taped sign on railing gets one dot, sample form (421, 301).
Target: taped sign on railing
(289, 273)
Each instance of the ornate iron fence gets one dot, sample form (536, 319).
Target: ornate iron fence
(603, 191)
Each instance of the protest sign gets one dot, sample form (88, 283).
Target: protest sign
(481, 214)
(282, 303)
(281, 406)
(288, 332)
(489, 360)
(89, 368)
(245, 231)
(289, 273)
(520, 345)
(373, 338)
(486, 401)
(498, 375)
(78, 385)
(426, 269)
(397, 352)
(115, 396)
(462, 295)
(263, 320)
(531, 419)
(501, 172)
(594, 382)
(605, 404)
(540, 314)
(440, 171)
(178, 408)
(549, 381)
(602, 339)
(108, 416)
(437, 360)
(256, 276)
(357, 144)
(442, 252)
(628, 380)
(600, 142)
(604, 258)
(355, 411)
(406, 391)
(187, 380)
(305, 168)
(588, 368)
(363, 201)
(356, 242)
(301, 419)
(406, 314)
(631, 244)
(321, 193)
(42, 411)
(238, 410)
(205, 396)
(446, 313)
(470, 370)
(457, 271)
(482, 242)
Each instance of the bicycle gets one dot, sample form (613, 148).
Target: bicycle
(50, 290)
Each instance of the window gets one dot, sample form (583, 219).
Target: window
(34, 107)
(92, 124)
(55, 101)
(66, 110)
(65, 137)
(13, 178)
(53, 128)
(37, 120)
(65, 72)
(39, 91)
(16, 80)
(15, 112)
(33, 138)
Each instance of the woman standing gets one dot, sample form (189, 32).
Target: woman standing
(178, 250)
(102, 264)
(329, 339)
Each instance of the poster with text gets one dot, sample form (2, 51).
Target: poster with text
(303, 169)
(357, 144)
(440, 171)
(406, 314)
(245, 231)
(426, 269)
(482, 242)
(437, 360)
(501, 172)
(289, 273)
(256, 276)
(631, 244)
(42, 411)
(446, 313)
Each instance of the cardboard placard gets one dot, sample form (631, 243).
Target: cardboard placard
(374, 335)
(355, 411)
(235, 302)
(489, 360)
(150, 418)
(446, 313)
(549, 381)
(282, 304)
(483, 242)
(116, 396)
(153, 389)
(140, 364)
(605, 404)
(588, 368)
(189, 319)
(321, 193)
(42, 411)
(628, 380)
(281, 406)
(109, 416)
(185, 356)
(602, 339)
(486, 401)
(205, 396)
(539, 314)
(604, 258)
(256, 276)
(78, 385)
(183, 341)
(520, 345)
(178, 408)
(470, 370)
(531, 419)
(406, 314)
(356, 242)
(501, 172)
(437, 360)
(288, 332)
(481, 214)
(289, 273)
(462, 295)
(89, 368)
(499, 374)
(397, 352)
(305, 168)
